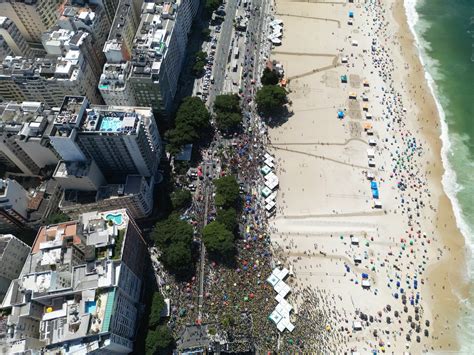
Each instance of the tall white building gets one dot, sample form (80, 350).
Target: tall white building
(24, 137)
(114, 85)
(48, 80)
(79, 290)
(13, 205)
(13, 254)
(12, 41)
(32, 17)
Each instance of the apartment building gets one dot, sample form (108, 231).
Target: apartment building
(79, 290)
(13, 206)
(135, 194)
(58, 42)
(121, 140)
(114, 85)
(12, 41)
(159, 52)
(13, 254)
(32, 17)
(118, 46)
(48, 80)
(24, 142)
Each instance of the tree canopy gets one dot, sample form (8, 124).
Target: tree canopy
(157, 305)
(158, 339)
(227, 103)
(212, 5)
(200, 59)
(219, 241)
(269, 77)
(172, 230)
(191, 121)
(227, 217)
(181, 199)
(174, 238)
(228, 113)
(270, 99)
(227, 192)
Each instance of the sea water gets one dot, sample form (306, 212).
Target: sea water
(444, 32)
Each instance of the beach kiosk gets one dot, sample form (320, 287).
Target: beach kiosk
(365, 83)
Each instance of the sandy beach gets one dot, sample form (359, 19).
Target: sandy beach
(408, 254)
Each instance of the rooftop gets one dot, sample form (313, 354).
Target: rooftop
(114, 76)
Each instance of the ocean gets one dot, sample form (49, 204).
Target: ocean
(444, 32)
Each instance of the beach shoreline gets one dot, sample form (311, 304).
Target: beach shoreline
(323, 197)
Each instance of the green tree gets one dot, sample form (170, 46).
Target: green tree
(191, 122)
(158, 339)
(219, 241)
(227, 103)
(228, 122)
(181, 199)
(206, 32)
(227, 217)
(157, 305)
(270, 99)
(172, 230)
(269, 77)
(177, 258)
(227, 191)
(212, 5)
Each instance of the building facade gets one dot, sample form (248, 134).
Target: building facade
(13, 254)
(32, 17)
(48, 80)
(12, 41)
(13, 206)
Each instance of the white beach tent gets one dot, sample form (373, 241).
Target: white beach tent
(370, 153)
(372, 142)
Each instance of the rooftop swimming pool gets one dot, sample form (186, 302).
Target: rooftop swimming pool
(116, 218)
(111, 124)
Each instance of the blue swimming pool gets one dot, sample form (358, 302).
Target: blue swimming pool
(90, 306)
(116, 218)
(111, 124)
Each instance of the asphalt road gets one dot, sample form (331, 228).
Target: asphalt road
(222, 51)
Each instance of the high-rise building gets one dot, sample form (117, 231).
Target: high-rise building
(121, 140)
(12, 41)
(79, 175)
(48, 80)
(79, 290)
(118, 46)
(24, 137)
(32, 17)
(13, 206)
(114, 85)
(13, 254)
(159, 52)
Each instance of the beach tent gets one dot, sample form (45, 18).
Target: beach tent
(371, 163)
(365, 107)
(273, 279)
(265, 170)
(357, 325)
(340, 114)
(276, 41)
(344, 79)
(352, 95)
(354, 240)
(375, 193)
(268, 157)
(370, 175)
(269, 163)
(355, 43)
(269, 206)
(357, 259)
(366, 83)
(275, 317)
(344, 60)
(377, 204)
(365, 283)
(365, 97)
(351, 14)
(372, 142)
(368, 116)
(369, 132)
(266, 192)
(349, 22)
(367, 126)
(370, 153)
